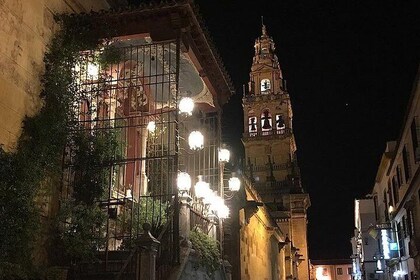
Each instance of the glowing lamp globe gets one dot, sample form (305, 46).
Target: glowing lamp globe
(186, 105)
(224, 155)
(196, 140)
(215, 202)
(210, 199)
(183, 181)
(201, 188)
(223, 212)
(151, 126)
(234, 184)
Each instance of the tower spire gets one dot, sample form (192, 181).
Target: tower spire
(263, 28)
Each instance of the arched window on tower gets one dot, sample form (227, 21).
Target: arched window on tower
(265, 86)
(280, 124)
(252, 125)
(266, 122)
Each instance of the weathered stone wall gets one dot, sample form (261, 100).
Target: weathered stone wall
(260, 257)
(26, 28)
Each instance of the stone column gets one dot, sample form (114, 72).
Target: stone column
(148, 249)
(212, 226)
(184, 215)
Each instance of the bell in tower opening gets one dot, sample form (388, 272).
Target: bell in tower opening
(252, 126)
(280, 125)
(266, 122)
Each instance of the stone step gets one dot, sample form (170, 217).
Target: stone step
(105, 276)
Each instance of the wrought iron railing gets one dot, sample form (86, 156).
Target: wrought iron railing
(269, 133)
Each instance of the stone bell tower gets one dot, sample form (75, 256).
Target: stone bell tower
(270, 151)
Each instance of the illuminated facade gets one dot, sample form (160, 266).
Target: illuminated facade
(364, 244)
(331, 269)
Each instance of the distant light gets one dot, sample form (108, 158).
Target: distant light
(234, 184)
(183, 182)
(151, 126)
(196, 140)
(186, 105)
(224, 155)
(390, 209)
(92, 71)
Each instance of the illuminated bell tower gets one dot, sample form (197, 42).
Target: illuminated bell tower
(270, 151)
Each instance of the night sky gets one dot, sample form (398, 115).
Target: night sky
(349, 67)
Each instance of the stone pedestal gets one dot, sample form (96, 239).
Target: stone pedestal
(148, 246)
(184, 215)
(212, 226)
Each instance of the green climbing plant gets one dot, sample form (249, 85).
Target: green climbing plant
(36, 162)
(207, 248)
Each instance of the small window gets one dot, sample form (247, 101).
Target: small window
(339, 271)
(400, 234)
(399, 176)
(414, 138)
(389, 191)
(407, 167)
(349, 270)
(410, 223)
(395, 190)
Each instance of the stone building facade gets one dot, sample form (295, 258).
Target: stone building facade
(27, 27)
(396, 201)
(271, 164)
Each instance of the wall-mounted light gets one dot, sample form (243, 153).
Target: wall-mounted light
(183, 182)
(390, 209)
(186, 105)
(234, 184)
(196, 140)
(151, 126)
(224, 155)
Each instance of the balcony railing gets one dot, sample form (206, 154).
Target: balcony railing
(266, 167)
(270, 133)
